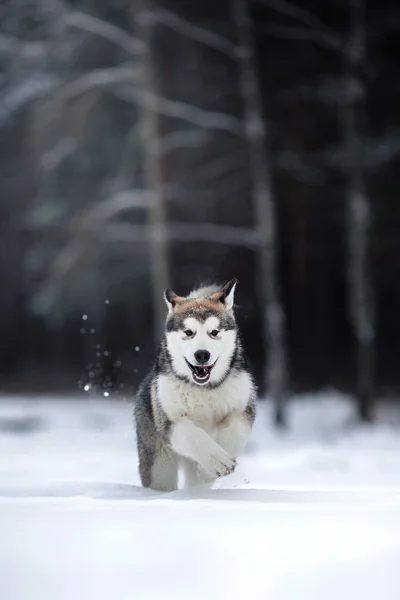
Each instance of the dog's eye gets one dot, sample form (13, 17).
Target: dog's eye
(188, 332)
(214, 332)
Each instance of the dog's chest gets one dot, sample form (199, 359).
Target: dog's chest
(206, 407)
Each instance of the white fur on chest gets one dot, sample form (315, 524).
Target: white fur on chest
(205, 407)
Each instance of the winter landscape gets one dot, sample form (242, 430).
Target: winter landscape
(154, 144)
(314, 514)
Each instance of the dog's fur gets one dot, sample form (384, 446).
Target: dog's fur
(198, 416)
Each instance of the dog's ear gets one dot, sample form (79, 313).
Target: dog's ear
(226, 294)
(171, 299)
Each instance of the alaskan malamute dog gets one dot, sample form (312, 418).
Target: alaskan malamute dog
(196, 407)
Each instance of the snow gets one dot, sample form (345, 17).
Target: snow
(311, 514)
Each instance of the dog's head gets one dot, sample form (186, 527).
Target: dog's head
(201, 334)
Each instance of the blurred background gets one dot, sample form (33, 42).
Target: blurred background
(169, 143)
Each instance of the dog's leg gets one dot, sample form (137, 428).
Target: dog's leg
(158, 466)
(164, 471)
(190, 471)
(188, 440)
(195, 476)
(234, 432)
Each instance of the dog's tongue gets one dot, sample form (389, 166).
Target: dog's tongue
(202, 371)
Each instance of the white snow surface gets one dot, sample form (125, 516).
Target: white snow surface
(311, 514)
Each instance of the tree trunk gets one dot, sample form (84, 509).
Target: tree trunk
(273, 317)
(151, 148)
(361, 302)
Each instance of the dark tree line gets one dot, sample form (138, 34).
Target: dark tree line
(172, 142)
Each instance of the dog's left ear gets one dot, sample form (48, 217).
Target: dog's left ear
(172, 299)
(227, 294)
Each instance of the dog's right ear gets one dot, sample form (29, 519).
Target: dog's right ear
(171, 299)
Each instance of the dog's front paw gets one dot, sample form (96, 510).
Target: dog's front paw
(220, 463)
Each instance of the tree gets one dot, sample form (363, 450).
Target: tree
(273, 316)
(361, 303)
(359, 215)
(154, 181)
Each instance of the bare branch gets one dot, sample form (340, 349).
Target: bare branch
(108, 78)
(30, 49)
(98, 78)
(382, 150)
(185, 232)
(298, 168)
(112, 206)
(55, 156)
(142, 234)
(103, 29)
(310, 168)
(187, 29)
(293, 33)
(296, 12)
(182, 139)
(221, 167)
(16, 97)
(182, 110)
(67, 258)
(92, 221)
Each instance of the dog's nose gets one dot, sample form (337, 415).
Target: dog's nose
(202, 356)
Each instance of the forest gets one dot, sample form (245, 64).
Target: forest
(148, 145)
(152, 144)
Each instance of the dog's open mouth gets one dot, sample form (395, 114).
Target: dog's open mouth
(200, 373)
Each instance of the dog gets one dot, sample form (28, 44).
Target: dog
(196, 407)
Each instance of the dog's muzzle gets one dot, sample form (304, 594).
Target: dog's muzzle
(200, 373)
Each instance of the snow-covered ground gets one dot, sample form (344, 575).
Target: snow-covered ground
(313, 514)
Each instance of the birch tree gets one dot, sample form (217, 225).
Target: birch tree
(152, 152)
(273, 317)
